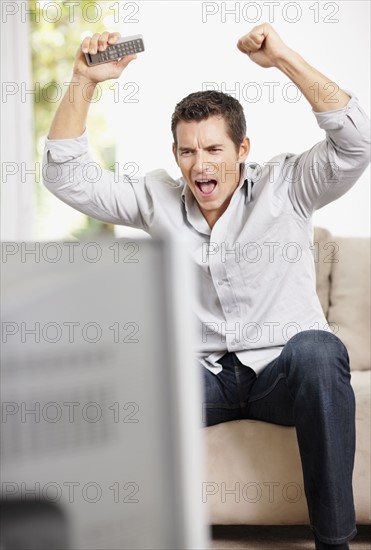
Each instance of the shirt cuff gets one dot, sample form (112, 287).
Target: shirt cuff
(334, 120)
(63, 150)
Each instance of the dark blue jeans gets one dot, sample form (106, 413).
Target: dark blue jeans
(307, 386)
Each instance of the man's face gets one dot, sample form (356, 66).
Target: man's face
(209, 163)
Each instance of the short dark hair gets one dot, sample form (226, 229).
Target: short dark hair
(201, 105)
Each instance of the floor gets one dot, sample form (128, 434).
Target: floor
(258, 537)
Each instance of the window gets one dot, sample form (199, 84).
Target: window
(56, 30)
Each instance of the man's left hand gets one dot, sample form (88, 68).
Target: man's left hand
(264, 46)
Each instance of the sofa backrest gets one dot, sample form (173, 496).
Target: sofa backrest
(343, 287)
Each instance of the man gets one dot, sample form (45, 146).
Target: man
(266, 350)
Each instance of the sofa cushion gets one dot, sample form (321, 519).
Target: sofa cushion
(349, 309)
(361, 383)
(322, 251)
(253, 474)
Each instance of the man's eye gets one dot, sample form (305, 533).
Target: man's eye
(183, 153)
(215, 149)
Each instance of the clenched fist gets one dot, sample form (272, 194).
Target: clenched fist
(264, 46)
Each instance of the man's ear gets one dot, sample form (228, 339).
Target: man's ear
(244, 150)
(175, 154)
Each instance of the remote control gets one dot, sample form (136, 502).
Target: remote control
(122, 47)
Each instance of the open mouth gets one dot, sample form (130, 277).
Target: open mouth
(206, 186)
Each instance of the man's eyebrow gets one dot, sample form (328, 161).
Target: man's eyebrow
(207, 147)
(185, 149)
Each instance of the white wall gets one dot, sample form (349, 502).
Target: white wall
(187, 46)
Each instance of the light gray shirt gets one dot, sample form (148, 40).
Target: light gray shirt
(255, 267)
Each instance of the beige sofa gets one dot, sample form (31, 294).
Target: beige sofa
(253, 471)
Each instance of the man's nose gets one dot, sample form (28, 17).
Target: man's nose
(202, 164)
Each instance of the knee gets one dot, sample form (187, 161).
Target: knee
(317, 352)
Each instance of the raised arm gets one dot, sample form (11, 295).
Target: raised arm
(70, 119)
(265, 47)
(330, 167)
(69, 171)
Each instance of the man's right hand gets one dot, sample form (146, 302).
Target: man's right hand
(105, 71)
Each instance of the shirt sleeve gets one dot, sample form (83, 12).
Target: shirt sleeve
(331, 167)
(71, 174)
